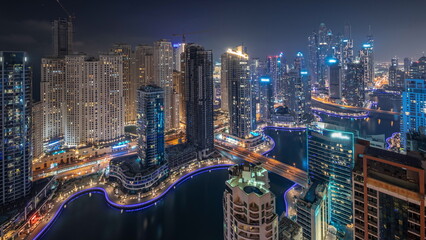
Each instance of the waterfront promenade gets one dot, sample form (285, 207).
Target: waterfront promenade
(97, 184)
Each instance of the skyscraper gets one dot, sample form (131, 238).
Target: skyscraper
(163, 77)
(143, 70)
(331, 160)
(407, 65)
(235, 64)
(249, 205)
(15, 127)
(62, 36)
(396, 76)
(94, 99)
(312, 211)
(388, 194)
(418, 69)
(266, 99)
(354, 85)
(130, 84)
(199, 98)
(37, 129)
(299, 91)
(276, 68)
(413, 108)
(335, 76)
(151, 126)
(53, 97)
(366, 56)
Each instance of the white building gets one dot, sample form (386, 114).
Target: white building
(53, 97)
(248, 205)
(94, 99)
(163, 77)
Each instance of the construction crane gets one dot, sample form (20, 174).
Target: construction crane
(183, 35)
(65, 10)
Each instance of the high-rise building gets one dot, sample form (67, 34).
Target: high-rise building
(236, 69)
(178, 50)
(407, 65)
(276, 68)
(321, 46)
(53, 97)
(130, 84)
(15, 127)
(249, 205)
(388, 194)
(37, 129)
(163, 77)
(413, 108)
(335, 77)
(199, 98)
(331, 160)
(354, 88)
(418, 69)
(151, 127)
(347, 45)
(366, 55)
(62, 35)
(144, 65)
(299, 91)
(396, 76)
(94, 99)
(312, 212)
(266, 99)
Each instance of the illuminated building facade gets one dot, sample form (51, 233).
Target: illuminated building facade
(312, 212)
(129, 84)
(276, 68)
(266, 99)
(366, 56)
(199, 98)
(389, 194)
(151, 126)
(143, 70)
(163, 77)
(418, 69)
(94, 100)
(354, 85)
(62, 30)
(236, 73)
(37, 129)
(413, 108)
(53, 97)
(15, 127)
(299, 91)
(331, 160)
(249, 205)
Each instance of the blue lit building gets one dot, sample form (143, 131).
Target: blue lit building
(331, 160)
(366, 55)
(15, 131)
(150, 127)
(353, 90)
(413, 108)
(276, 68)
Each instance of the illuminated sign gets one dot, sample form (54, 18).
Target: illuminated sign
(339, 135)
(304, 72)
(366, 45)
(264, 79)
(332, 60)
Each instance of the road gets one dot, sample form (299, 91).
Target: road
(355, 108)
(291, 173)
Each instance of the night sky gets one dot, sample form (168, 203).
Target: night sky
(264, 26)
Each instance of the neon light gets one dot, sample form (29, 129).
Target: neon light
(119, 146)
(332, 60)
(304, 72)
(265, 79)
(366, 45)
(339, 135)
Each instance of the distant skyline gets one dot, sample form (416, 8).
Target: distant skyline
(264, 27)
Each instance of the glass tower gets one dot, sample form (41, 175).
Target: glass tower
(150, 126)
(331, 159)
(15, 119)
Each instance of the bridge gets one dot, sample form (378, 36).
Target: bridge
(284, 170)
(354, 108)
